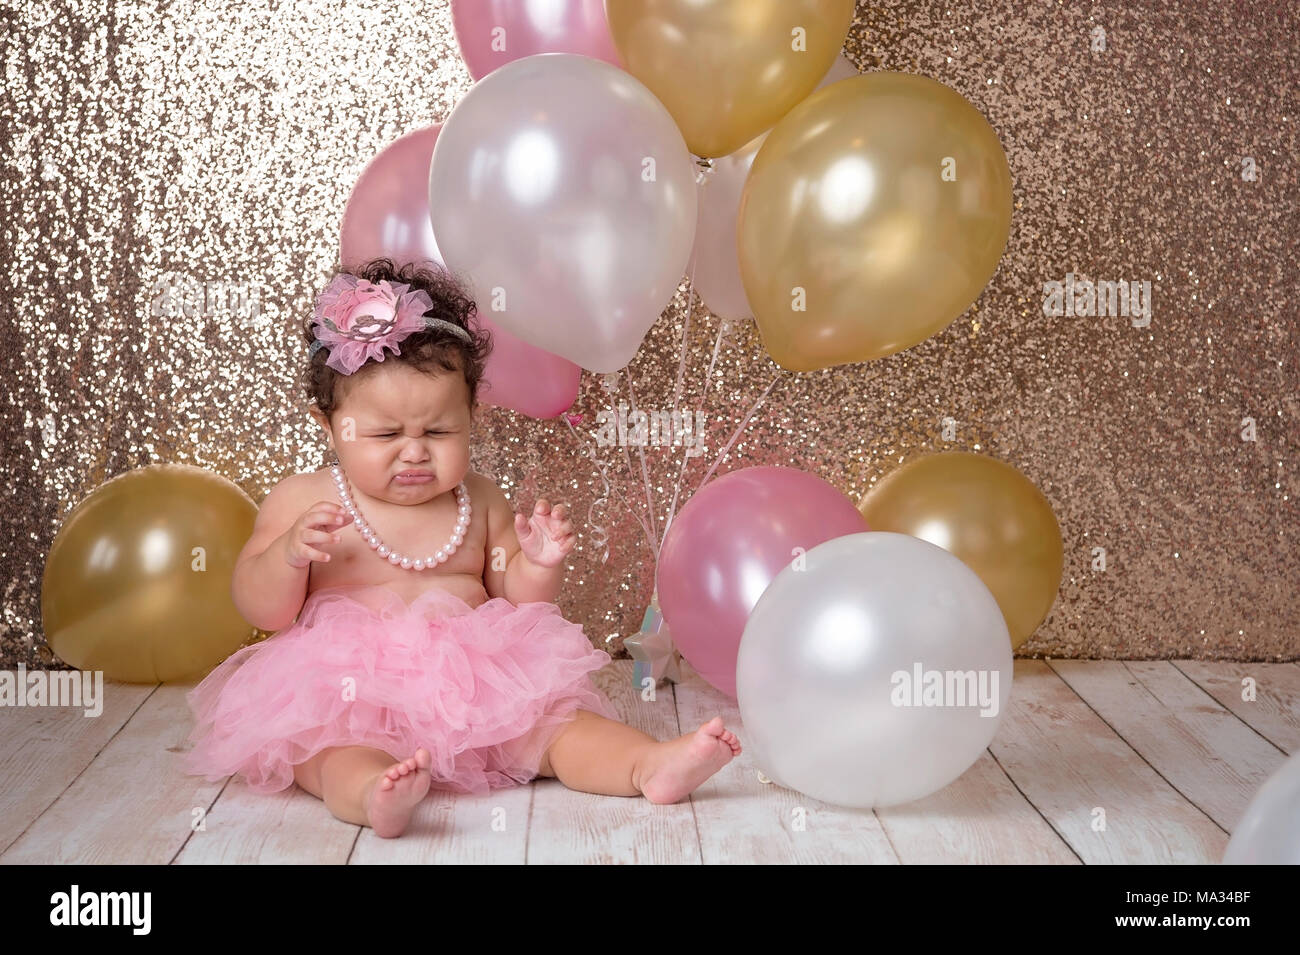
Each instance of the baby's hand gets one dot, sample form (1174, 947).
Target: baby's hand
(546, 537)
(316, 528)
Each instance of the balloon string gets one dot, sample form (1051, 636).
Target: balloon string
(645, 473)
(602, 534)
(739, 429)
(703, 177)
(696, 436)
(717, 346)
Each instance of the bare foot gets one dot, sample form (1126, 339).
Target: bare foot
(673, 770)
(395, 794)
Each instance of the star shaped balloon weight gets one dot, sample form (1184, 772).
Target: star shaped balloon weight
(652, 649)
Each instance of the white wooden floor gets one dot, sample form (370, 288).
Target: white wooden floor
(1168, 750)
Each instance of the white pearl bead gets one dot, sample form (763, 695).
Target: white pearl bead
(418, 564)
(383, 550)
(406, 563)
(373, 541)
(394, 558)
(441, 555)
(457, 539)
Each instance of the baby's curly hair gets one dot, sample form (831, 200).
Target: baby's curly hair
(426, 349)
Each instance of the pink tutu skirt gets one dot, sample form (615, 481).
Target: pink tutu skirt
(485, 689)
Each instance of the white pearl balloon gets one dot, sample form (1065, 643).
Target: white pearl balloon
(1269, 830)
(836, 668)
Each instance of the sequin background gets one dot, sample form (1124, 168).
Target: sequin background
(190, 142)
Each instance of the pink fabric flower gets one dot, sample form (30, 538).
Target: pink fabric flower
(356, 320)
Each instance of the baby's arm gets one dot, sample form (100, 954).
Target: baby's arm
(267, 586)
(508, 572)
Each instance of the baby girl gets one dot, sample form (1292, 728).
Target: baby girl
(418, 641)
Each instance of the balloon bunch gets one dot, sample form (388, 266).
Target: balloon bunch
(840, 629)
(607, 147)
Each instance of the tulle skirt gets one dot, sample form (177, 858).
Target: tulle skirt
(484, 689)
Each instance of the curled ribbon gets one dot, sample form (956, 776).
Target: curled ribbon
(599, 534)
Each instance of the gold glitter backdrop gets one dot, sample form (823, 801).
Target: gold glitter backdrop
(154, 147)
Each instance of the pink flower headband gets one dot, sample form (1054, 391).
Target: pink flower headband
(357, 320)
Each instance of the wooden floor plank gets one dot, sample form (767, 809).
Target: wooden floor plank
(1203, 750)
(1165, 749)
(1274, 713)
(456, 829)
(291, 827)
(978, 819)
(44, 748)
(583, 828)
(744, 820)
(1072, 766)
(132, 804)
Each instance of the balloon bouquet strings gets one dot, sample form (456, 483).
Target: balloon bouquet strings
(723, 325)
(602, 538)
(740, 428)
(702, 178)
(645, 473)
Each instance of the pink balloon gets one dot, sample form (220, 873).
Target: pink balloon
(388, 215)
(527, 27)
(526, 378)
(388, 211)
(728, 543)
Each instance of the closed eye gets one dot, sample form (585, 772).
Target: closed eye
(390, 434)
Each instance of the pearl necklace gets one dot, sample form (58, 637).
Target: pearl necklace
(383, 550)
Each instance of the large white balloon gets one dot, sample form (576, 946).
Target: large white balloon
(1269, 830)
(562, 190)
(872, 672)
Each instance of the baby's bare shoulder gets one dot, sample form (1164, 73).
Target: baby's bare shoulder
(297, 492)
(284, 504)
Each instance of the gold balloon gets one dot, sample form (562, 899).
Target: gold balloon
(137, 582)
(874, 214)
(989, 515)
(728, 69)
